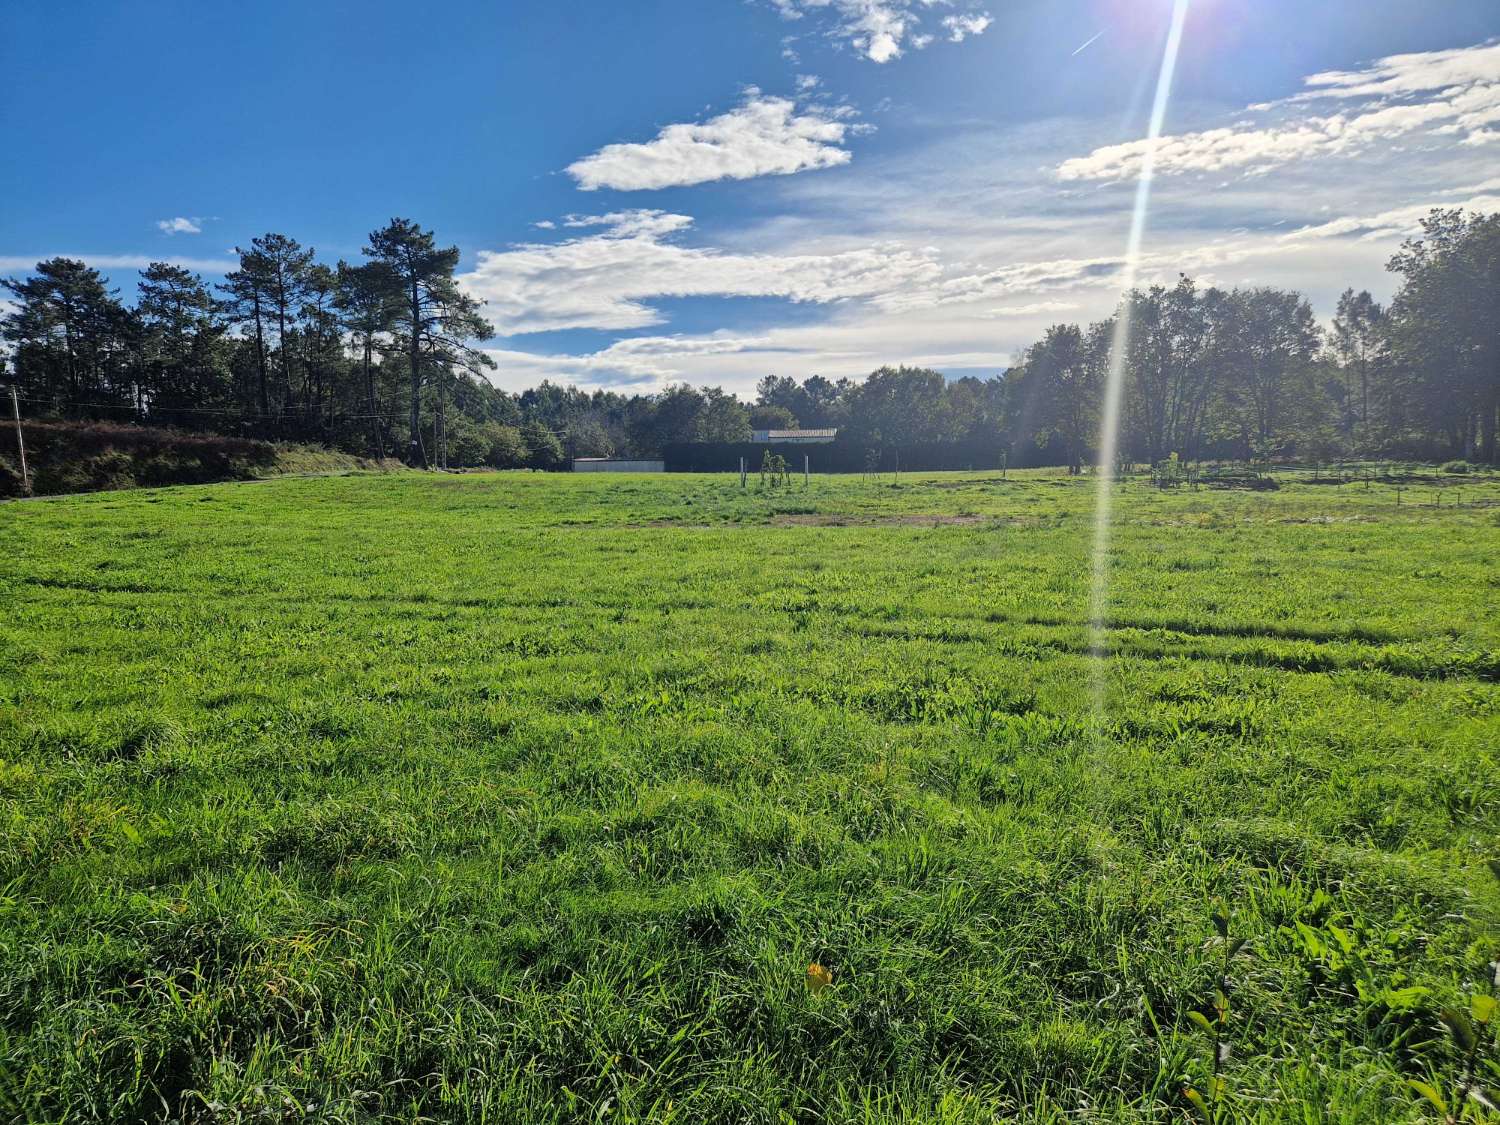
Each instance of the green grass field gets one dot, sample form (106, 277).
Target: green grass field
(517, 798)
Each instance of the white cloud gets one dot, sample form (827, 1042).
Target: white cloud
(1490, 185)
(639, 223)
(108, 262)
(961, 250)
(640, 361)
(929, 306)
(880, 30)
(764, 136)
(1397, 222)
(1425, 96)
(960, 28)
(180, 225)
(1036, 308)
(1410, 74)
(606, 279)
(851, 344)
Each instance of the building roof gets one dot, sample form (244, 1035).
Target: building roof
(792, 435)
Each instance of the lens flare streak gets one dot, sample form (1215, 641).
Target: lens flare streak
(1109, 428)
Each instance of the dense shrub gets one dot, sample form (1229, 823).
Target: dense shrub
(468, 445)
(543, 450)
(506, 449)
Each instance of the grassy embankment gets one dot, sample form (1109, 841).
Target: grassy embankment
(66, 457)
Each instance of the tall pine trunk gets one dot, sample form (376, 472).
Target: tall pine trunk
(286, 360)
(260, 361)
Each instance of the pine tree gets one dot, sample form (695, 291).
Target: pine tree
(70, 335)
(369, 301)
(437, 319)
(181, 366)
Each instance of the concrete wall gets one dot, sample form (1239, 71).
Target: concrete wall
(596, 465)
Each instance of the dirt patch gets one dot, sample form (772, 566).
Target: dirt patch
(821, 519)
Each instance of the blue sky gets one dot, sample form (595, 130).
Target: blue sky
(714, 190)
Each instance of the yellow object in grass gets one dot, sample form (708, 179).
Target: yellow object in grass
(818, 978)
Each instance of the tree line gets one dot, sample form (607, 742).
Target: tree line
(1248, 373)
(285, 348)
(383, 358)
(1210, 373)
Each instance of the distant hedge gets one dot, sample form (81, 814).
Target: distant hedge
(834, 456)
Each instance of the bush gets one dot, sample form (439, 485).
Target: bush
(468, 444)
(1458, 467)
(588, 438)
(543, 450)
(506, 449)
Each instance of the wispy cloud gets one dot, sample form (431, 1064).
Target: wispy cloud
(13, 262)
(1397, 75)
(639, 223)
(1454, 94)
(637, 361)
(882, 30)
(763, 136)
(1036, 308)
(886, 303)
(180, 225)
(608, 279)
(1398, 222)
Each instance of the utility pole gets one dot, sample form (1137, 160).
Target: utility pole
(15, 409)
(806, 472)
